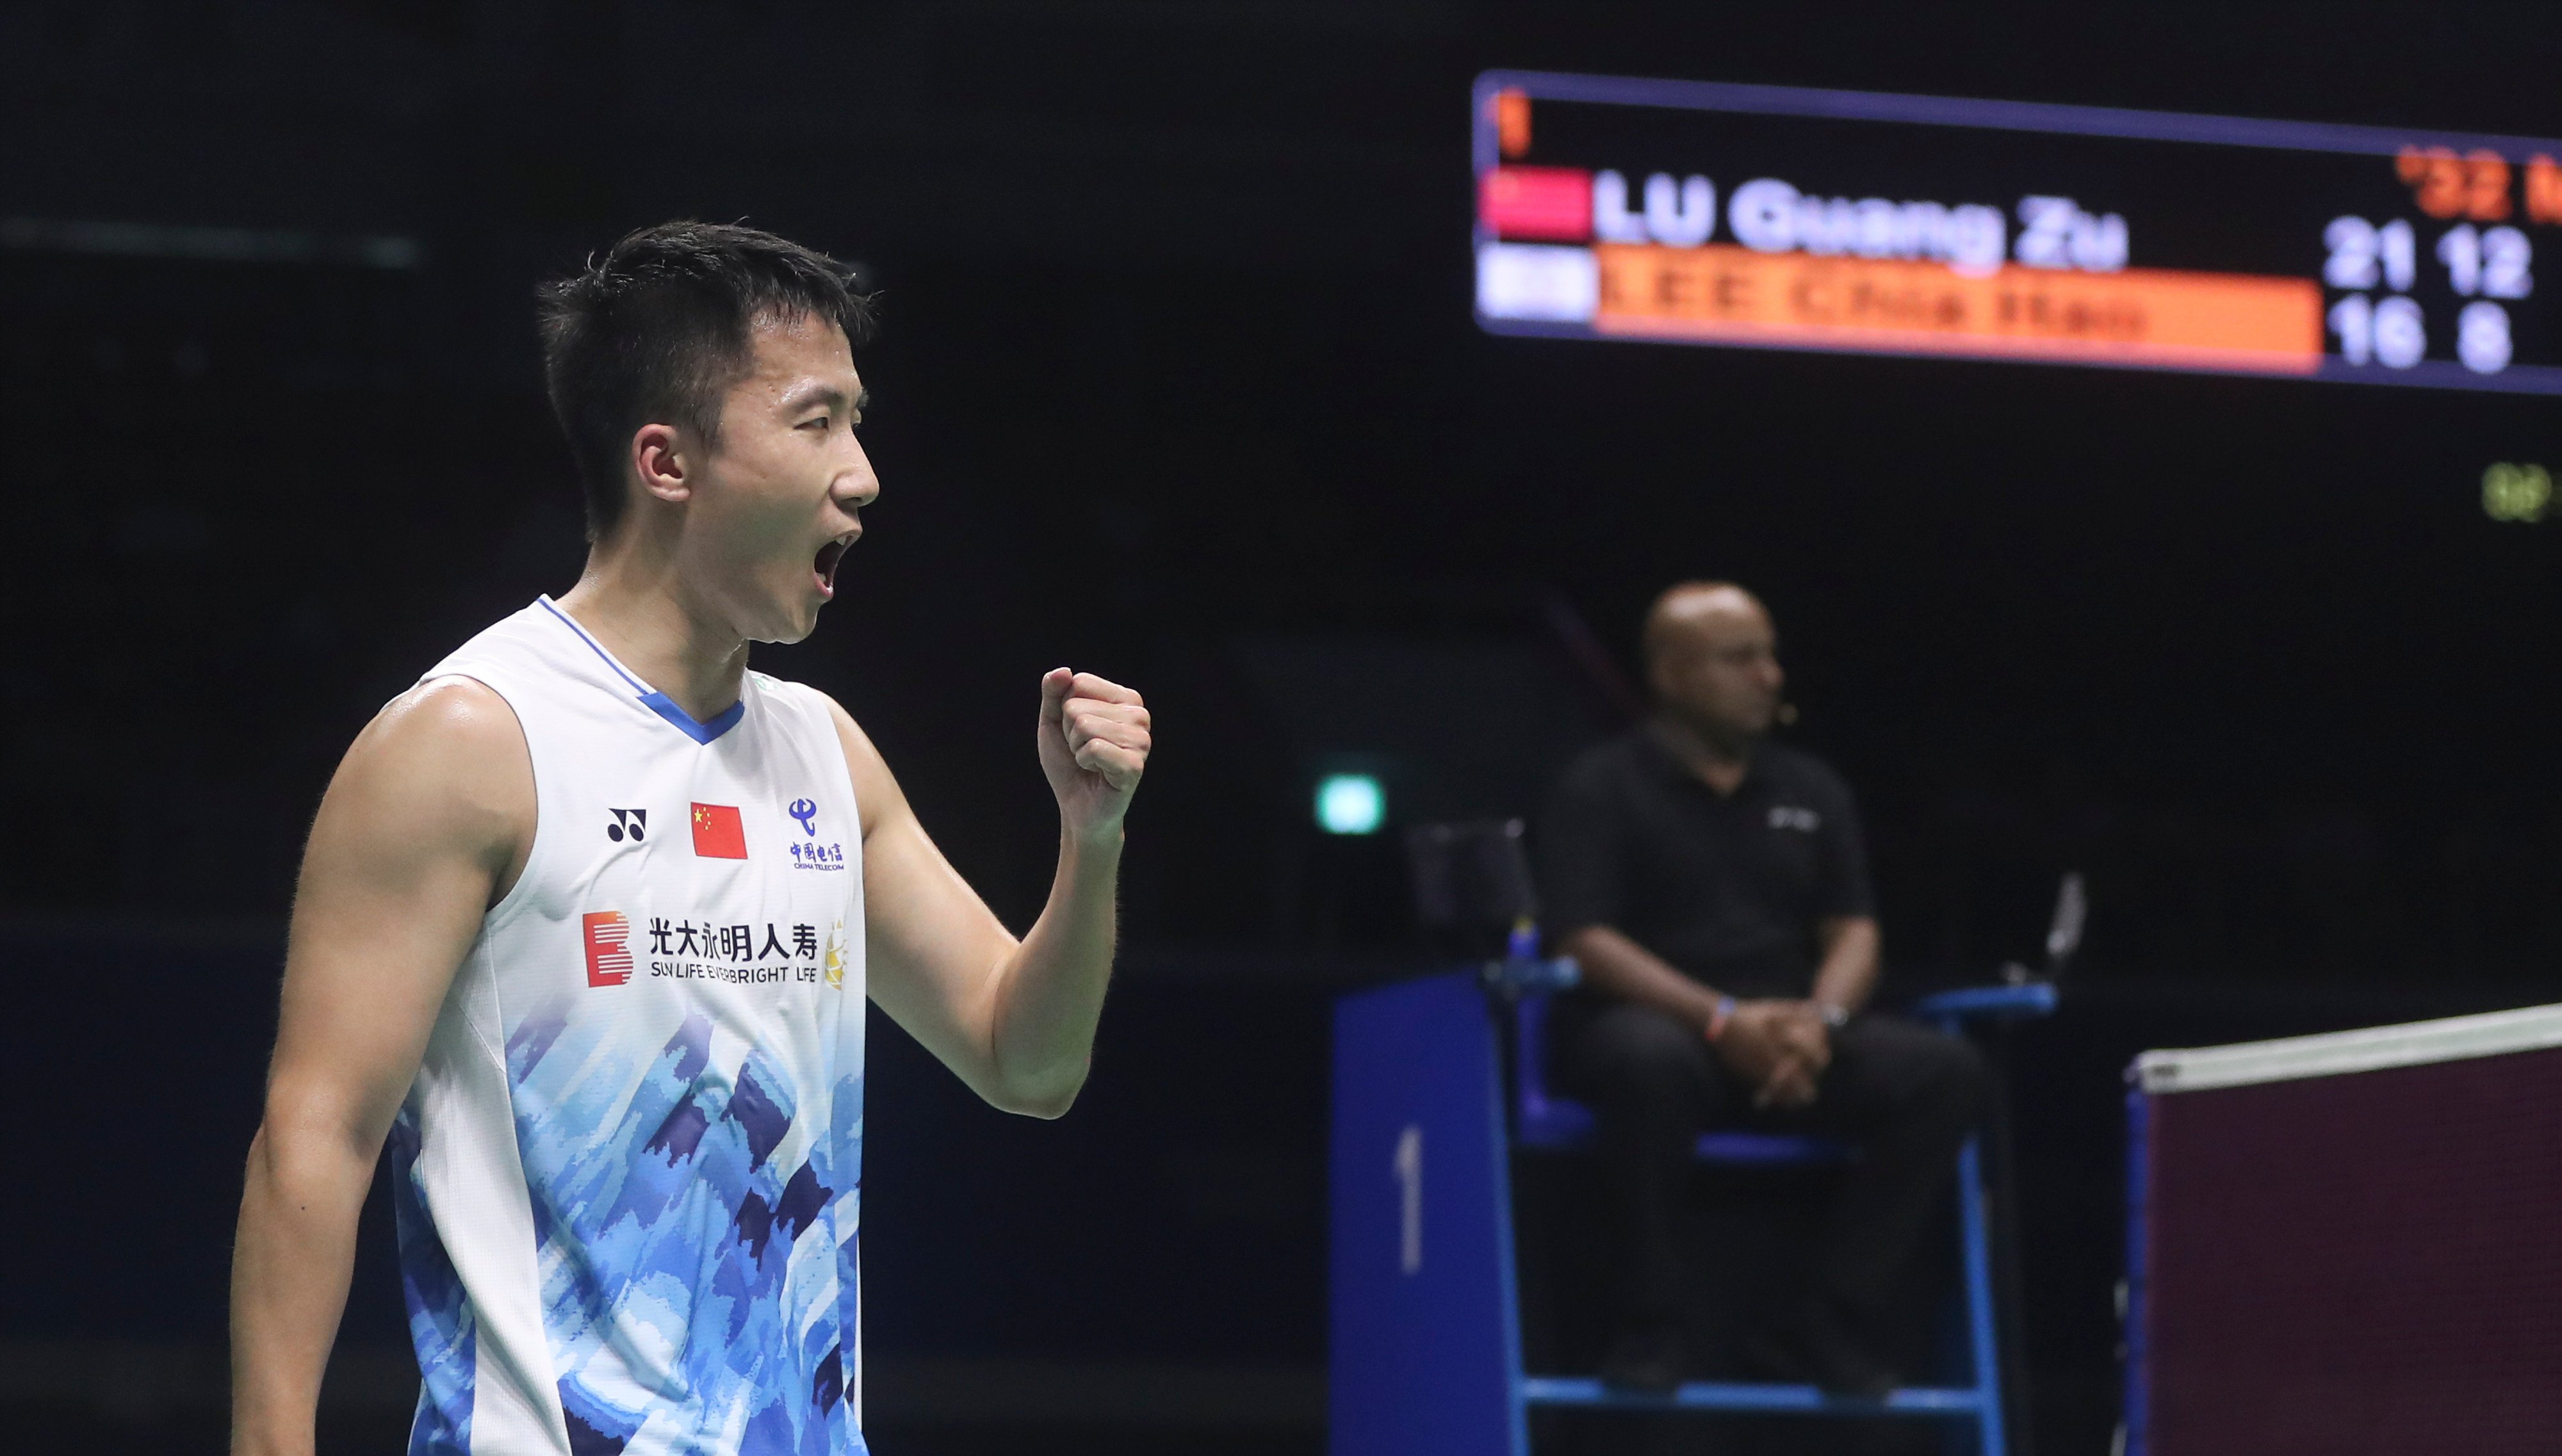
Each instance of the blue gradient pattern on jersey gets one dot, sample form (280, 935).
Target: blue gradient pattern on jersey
(439, 1318)
(696, 1255)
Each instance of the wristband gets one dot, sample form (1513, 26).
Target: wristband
(1718, 1016)
(1834, 1016)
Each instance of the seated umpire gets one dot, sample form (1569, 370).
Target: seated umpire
(1713, 887)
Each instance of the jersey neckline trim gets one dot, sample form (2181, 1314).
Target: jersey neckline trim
(650, 698)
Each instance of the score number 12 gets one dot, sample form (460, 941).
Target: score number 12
(2493, 263)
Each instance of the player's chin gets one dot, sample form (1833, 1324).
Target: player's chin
(802, 622)
(791, 618)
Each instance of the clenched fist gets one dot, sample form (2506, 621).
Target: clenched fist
(1093, 747)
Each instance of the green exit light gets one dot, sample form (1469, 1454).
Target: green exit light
(2516, 492)
(1350, 804)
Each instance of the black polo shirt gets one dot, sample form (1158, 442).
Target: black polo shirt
(1726, 887)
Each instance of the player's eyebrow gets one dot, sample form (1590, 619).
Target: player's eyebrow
(813, 393)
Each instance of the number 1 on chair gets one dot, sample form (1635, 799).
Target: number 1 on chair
(1409, 1175)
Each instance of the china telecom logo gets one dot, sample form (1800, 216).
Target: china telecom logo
(809, 854)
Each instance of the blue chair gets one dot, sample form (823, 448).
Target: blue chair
(1426, 1348)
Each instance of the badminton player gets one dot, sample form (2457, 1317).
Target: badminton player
(588, 917)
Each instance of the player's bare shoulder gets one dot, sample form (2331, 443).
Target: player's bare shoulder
(876, 791)
(441, 770)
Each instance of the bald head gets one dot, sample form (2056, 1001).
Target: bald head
(1683, 611)
(1712, 657)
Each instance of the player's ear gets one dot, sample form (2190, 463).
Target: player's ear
(660, 461)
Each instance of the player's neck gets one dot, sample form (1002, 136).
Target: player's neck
(634, 601)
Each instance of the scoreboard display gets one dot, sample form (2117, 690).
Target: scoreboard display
(1773, 217)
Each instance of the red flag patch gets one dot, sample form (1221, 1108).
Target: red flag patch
(608, 950)
(1537, 202)
(718, 834)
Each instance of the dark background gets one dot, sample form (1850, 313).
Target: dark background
(1178, 384)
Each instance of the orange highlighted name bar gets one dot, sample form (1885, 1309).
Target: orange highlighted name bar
(1725, 293)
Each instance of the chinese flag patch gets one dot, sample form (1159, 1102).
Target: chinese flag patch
(718, 834)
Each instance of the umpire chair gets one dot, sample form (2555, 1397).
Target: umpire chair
(1425, 1340)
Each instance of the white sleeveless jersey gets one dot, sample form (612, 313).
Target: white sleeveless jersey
(626, 1178)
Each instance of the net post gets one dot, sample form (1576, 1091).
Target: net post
(2138, 1310)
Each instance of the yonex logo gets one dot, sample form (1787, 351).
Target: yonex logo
(631, 823)
(608, 950)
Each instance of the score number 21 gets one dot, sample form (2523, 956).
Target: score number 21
(2492, 262)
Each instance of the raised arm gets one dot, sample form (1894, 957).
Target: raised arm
(1015, 1020)
(425, 824)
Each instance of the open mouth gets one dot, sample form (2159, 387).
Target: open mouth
(823, 565)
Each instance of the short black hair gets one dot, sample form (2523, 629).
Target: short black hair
(658, 329)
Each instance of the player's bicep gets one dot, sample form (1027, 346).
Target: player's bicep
(424, 818)
(934, 949)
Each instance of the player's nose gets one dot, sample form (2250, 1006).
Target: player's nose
(857, 485)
